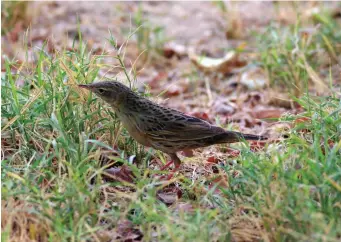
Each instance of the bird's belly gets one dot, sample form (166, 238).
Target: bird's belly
(129, 125)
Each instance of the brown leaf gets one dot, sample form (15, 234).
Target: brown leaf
(167, 198)
(174, 90)
(257, 145)
(224, 107)
(301, 120)
(254, 78)
(267, 114)
(157, 79)
(187, 153)
(123, 173)
(126, 231)
(20, 82)
(224, 65)
(13, 35)
(254, 99)
(212, 159)
(243, 118)
(201, 115)
(172, 49)
(169, 194)
(184, 207)
(280, 100)
(220, 180)
(232, 152)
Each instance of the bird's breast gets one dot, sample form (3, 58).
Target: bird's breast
(130, 125)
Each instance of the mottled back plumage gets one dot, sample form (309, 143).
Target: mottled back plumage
(160, 127)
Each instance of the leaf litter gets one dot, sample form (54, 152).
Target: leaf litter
(251, 107)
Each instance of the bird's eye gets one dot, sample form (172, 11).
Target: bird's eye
(101, 90)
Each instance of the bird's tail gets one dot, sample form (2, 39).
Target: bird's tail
(250, 136)
(231, 137)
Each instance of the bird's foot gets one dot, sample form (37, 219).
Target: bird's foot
(170, 176)
(168, 164)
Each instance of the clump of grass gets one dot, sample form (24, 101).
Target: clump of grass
(329, 35)
(51, 135)
(296, 188)
(13, 12)
(234, 23)
(149, 38)
(291, 55)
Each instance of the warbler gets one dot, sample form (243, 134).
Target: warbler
(162, 128)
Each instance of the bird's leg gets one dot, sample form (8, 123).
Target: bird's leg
(177, 163)
(168, 164)
(174, 159)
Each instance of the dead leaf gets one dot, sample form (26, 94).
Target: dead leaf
(167, 198)
(223, 65)
(14, 34)
(257, 145)
(246, 229)
(330, 144)
(212, 159)
(232, 152)
(279, 129)
(187, 153)
(126, 231)
(235, 28)
(169, 194)
(280, 100)
(267, 114)
(201, 115)
(243, 118)
(224, 107)
(254, 99)
(173, 48)
(220, 180)
(254, 79)
(156, 80)
(183, 207)
(302, 120)
(20, 82)
(123, 173)
(174, 90)
(336, 12)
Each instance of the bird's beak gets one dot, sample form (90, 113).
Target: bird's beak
(85, 86)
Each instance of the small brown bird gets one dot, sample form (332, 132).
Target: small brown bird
(160, 127)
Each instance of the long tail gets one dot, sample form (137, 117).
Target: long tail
(232, 137)
(249, 136)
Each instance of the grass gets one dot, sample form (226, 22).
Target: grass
(54, 137)
(13, 12)
(150, 38)
(290, 54)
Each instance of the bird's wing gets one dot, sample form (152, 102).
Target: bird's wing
(165, 123)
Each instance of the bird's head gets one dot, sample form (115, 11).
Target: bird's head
(110, 91)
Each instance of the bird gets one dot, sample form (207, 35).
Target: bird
(159, 127)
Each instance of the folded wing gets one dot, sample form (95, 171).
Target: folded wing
(165, 123)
